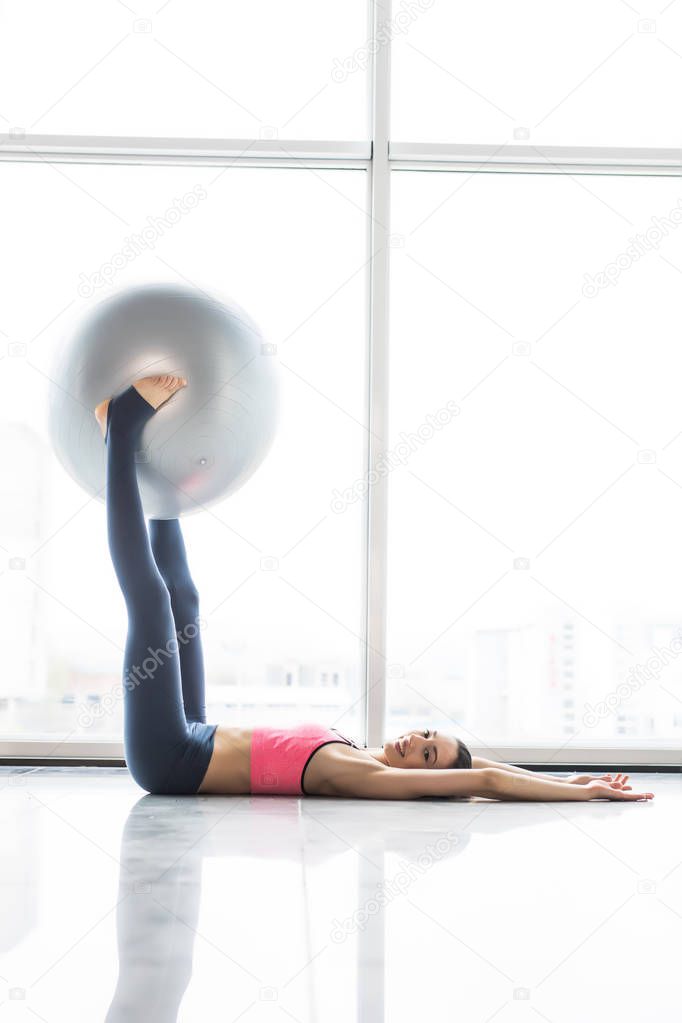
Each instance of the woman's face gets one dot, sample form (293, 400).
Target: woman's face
(423, 748)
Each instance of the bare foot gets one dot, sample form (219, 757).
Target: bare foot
(154, 390)
(157, 390)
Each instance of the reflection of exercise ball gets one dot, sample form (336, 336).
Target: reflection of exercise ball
(210, 437)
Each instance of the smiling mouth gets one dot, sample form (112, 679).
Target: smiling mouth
(399, 747)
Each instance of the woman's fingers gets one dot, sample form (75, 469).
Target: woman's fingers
(615, 782)
(619, 781)
(603, 790)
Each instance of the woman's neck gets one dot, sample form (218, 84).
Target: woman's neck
(378, 753)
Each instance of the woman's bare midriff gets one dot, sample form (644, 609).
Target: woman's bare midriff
(229, 770)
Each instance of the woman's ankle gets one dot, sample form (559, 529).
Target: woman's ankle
(128, 413)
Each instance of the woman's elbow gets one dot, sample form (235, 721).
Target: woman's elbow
(490, 782)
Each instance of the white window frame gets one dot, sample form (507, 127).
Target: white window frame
(378, 156)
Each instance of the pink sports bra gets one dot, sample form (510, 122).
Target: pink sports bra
(279, 756)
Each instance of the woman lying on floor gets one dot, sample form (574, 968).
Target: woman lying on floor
(169, 747)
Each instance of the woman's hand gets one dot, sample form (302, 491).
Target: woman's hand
(610, 790)
(493, 783)
(617, 780)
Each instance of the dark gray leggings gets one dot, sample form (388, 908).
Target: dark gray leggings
(168, 744)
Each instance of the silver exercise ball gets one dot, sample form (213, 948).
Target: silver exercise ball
(210, 437)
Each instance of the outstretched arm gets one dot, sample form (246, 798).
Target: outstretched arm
(526, 786)
(359, 779)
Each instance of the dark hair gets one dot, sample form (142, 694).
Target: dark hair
(463, 761)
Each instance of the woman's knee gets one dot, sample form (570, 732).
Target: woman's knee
(185, 596)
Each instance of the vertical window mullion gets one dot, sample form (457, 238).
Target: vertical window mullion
(374, 682)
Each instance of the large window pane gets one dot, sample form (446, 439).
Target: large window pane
(279, 573)
(535, 73)
(261, 69)
(536, 445)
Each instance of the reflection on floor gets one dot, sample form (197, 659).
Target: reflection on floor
(122, 906)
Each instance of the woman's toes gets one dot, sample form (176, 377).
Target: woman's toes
(157, 390)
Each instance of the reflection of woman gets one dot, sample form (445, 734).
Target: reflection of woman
(155, 922)
(169, 747)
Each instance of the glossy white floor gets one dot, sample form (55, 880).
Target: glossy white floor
(121, 906)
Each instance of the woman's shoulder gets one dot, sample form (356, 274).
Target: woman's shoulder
(335, 760)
